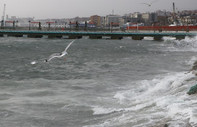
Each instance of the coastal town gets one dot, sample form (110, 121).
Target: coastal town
(157, 18)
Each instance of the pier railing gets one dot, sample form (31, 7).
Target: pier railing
(105, 29)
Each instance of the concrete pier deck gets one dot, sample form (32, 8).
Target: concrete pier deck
(95, 35)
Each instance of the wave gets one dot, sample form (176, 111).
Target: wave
(101, 110)
(191, 61)
(187, 44)
(163, 98)
(169, 93)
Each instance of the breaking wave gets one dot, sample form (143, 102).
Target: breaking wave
(187, 44)
(163, 98)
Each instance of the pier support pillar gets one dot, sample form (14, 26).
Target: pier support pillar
(1, 35)
(74, 37)
(137, 37)
(34, 36)
(158, 38)
(116, 37)
(95, 37)
(54, 36)
(21, 35)
(15, 35)
(180, 37)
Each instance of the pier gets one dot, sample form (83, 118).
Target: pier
(95, 35)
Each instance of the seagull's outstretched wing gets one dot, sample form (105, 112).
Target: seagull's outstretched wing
(149, 4)
(54, 55)
(68, 46)
(146, 4)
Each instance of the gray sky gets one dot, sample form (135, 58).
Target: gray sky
(41, 9)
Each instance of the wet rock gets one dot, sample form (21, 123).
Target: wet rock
(165, 125)
(192, 90)
(194, 66)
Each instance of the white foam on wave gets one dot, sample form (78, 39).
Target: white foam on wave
(167, 93)
(101, 110)
(120, 97)
(33, 62)
(169, 38)
(148, 38)
(191, 61)
(187, 44)
(119, 121)
(174, 99)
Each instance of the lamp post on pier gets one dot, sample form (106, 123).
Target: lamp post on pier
(29, 25)
(111, 26)
(55, 25)
(14, 24)
(137, 26)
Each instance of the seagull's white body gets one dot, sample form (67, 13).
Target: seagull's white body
(56, 55)
(149, 4)
(146, 4)
(59, 55)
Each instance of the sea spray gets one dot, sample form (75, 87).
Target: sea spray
(187, 44)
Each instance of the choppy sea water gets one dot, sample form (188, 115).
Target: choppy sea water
(100, 83)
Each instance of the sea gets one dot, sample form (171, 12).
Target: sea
(100, 83)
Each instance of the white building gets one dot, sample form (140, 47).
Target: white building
(114, 19)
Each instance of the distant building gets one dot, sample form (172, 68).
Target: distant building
(146, 18)
(81, 25)
(136, 15)
(22, 22)
(95, 19)
(126, 19)
(103, 21)
(80, 19)
(12, 18)
(149, 18)
(113, 19)
(188, 20)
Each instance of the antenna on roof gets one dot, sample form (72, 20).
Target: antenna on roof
(174, 12)
(4, 12)
(3, 17)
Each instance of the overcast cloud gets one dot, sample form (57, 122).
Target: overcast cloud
(41, 9)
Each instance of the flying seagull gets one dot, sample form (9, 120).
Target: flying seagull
(59, 55)
(150, 4)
